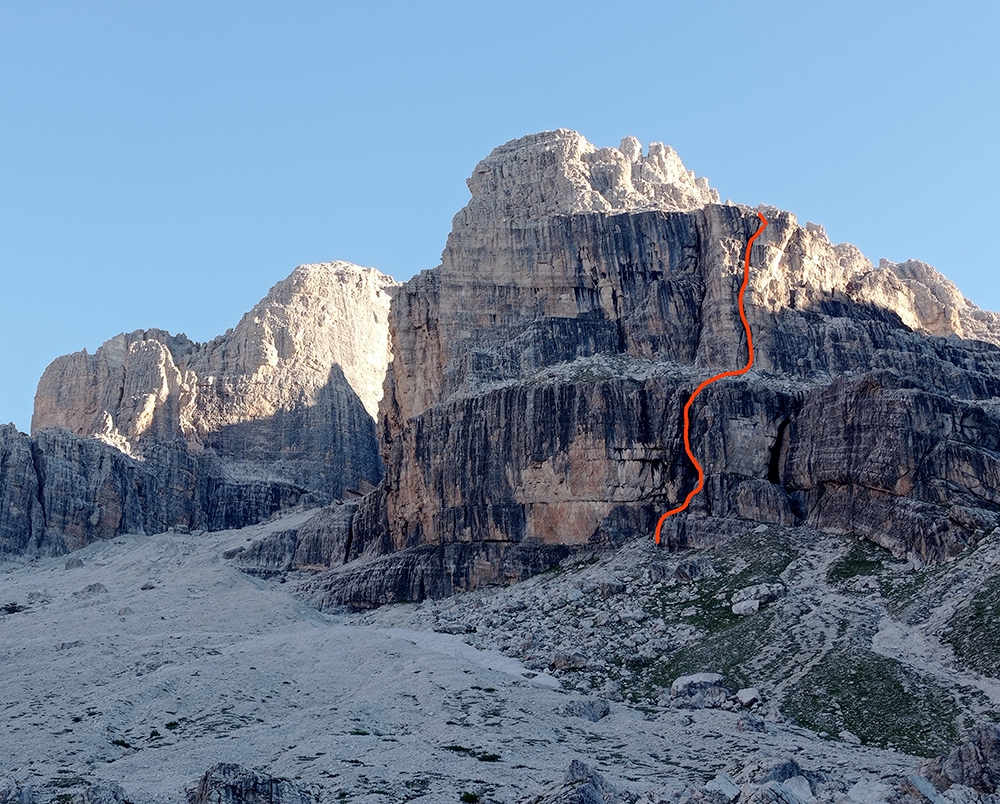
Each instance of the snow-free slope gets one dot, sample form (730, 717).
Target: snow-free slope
(157, 659)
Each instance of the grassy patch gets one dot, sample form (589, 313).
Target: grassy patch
(912, 595)
(880, 700)
(728, 651)
(745, 561)
(864, 558)
(975, 630)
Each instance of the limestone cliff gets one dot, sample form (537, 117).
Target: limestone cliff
(539, 374)
(155, 431)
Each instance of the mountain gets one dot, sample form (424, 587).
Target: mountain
(154, 431)
(533, 404)
(819, 626)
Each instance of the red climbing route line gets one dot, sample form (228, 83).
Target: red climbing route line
(708, 382)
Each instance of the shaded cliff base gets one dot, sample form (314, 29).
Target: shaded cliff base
(60, 491)
(144, 661)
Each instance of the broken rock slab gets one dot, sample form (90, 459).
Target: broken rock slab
(592, 709)
(724, 786)
(228, 783)
(583, 785)
(974, 764)
(102, 793)
(698, 691)
(10, 793)
(866, 791)
(749, 599)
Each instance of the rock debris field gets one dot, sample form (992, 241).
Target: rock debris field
(147, 660)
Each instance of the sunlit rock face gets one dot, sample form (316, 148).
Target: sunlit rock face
(324, 325)
(540, 371)
(155, 431)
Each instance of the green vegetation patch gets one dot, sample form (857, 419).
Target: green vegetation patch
(66, 781)
(864, 558)
(729, 651)
(975, 630)
(744, 561)
(880, 700)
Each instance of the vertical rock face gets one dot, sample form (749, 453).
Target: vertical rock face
(533, 405)
(317, 336)
(21, 514)
(155, 431)
(540, 371)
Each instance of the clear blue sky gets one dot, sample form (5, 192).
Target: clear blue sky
(165, 163)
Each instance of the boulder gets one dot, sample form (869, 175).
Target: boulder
(12, 793)
(228, 783)
(974, 764)
(698, 691)
(592, 709)
(102, 793)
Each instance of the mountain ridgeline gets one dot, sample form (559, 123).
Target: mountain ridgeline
(154, 431)
(532, 395)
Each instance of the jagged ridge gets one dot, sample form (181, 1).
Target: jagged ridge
(156, 431)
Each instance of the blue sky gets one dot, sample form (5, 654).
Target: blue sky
(165, 163)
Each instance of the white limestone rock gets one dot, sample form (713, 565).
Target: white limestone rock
(324, 318)
(699, 691)
(288, 395)
(867, 791)
(724, 786)
(849, 737)
(746, 607)
(697, 682)
(560, 173)
(749, 599)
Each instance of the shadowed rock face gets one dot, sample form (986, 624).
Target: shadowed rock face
(228, 783)
(974, 764)
(540, 372)
(155, 431)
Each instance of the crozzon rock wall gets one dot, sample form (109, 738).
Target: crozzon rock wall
(533, 405)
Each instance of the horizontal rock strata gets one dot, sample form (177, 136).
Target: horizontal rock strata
(540, 371)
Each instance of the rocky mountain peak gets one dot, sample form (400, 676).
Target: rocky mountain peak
(560, 173)
(323, 318)
(323, 314)
(154, 430)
